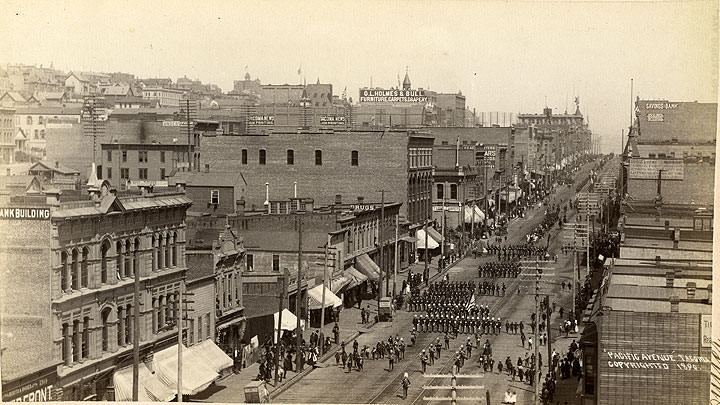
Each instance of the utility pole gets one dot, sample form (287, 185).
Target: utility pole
(462, 222)
(136, 332)
(397, 226)
(322, 303)
(282, 293)
(426, 276)
(180, 340)
(298, 292)
(381, 233)
(442, 244)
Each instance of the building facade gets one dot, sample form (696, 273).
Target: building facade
(7, 135)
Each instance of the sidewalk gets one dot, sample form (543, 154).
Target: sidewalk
(231, 388)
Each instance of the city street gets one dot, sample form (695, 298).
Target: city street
(376, 384)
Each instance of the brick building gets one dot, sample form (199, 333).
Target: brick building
(677, 138)
(212, 193)
(7, 135)
(340, 166)
(90, 254)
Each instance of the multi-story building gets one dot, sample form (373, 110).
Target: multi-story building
(36, 120)
(247, 85)
(338, 165)
(163, 96)
(7, 135)
(456, 187)
(75, 321)
(213, 193)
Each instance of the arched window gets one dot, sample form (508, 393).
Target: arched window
(85, 353)
(136, 257)
(104, 248)
(121, 326)
(128, 259)
(453, 191)
(66, 345)
(84, 268)
(128, 324)
(119, 259)
(75, 273)
(167, 250)
(105, 329)
(154, 253)
(76, 341)
(64, 285)
(174, 249)
(160, 254)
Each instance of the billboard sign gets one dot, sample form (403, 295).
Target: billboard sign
(332, 120)
(261, 120)
(392, 96)
(647, 169)
(25, 213)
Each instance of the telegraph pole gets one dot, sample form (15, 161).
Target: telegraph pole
(298, 333)
(282, 293)
(426, 276)
(322, 304)
(442, 244)
(381, 232)
(180, 341)
(136, 332)
(397, 226)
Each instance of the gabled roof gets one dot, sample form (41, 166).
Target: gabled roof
(110, 203)
(44, 165)
(117, 90)
(13, 95)
(78, 76)
(26, 183)
(20, 135)
(52, 95)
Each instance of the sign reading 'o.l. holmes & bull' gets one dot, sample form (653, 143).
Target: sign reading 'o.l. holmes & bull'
(25, 213)
(392, 96)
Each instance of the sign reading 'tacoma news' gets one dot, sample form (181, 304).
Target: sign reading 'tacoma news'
(392, 96)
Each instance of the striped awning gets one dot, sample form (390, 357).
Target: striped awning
(356, 278)
(367, 266)
(338, 284)
(435, 234)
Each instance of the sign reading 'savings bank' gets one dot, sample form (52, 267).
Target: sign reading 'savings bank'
(24, 213)
(392, 96)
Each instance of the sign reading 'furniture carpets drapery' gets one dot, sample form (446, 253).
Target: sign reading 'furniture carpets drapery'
(647, 169)
(25, 213)
(392, 96)
(655, 361)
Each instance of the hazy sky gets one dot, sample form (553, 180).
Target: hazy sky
(504, 56)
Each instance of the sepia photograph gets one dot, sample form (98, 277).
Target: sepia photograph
(359, 202)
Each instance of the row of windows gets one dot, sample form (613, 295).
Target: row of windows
(441, 191)
(142, 173)
(142, 155)
(74, 267)
(290, 157)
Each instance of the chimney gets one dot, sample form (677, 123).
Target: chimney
(657, 259)
(670, 278)
(338, 199)
(57, 164)
(667, 225)
(240, 207)
(53, 197)
(267, 197)
(207, 167)
(295, 189)
(360, 199)
(691, 286)
(674, 303)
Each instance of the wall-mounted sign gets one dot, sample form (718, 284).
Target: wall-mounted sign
(661, 106)
(654, 361)
(174, 123)
(656, 117)
(705, 330)
(25, 213)
(147, 183)
(392, 96)
(332, 120)
(647, 169)
(364, 207)
(39, 389)
(262, 120)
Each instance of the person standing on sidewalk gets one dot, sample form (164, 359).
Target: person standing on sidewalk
(405, 385)
(336, 332)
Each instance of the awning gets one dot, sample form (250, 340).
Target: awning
(409, 239)
(151, 389)
(209, 353)
(196, 377)
(356, 278)
(289, 320)
(315, 298)
(367, 266)
(475, 213)
(432, 244)
(338, 284)
(435, 234)
(230, 323)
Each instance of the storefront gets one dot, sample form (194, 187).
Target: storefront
(35, 387)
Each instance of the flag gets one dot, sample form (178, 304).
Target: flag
(471, 302)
